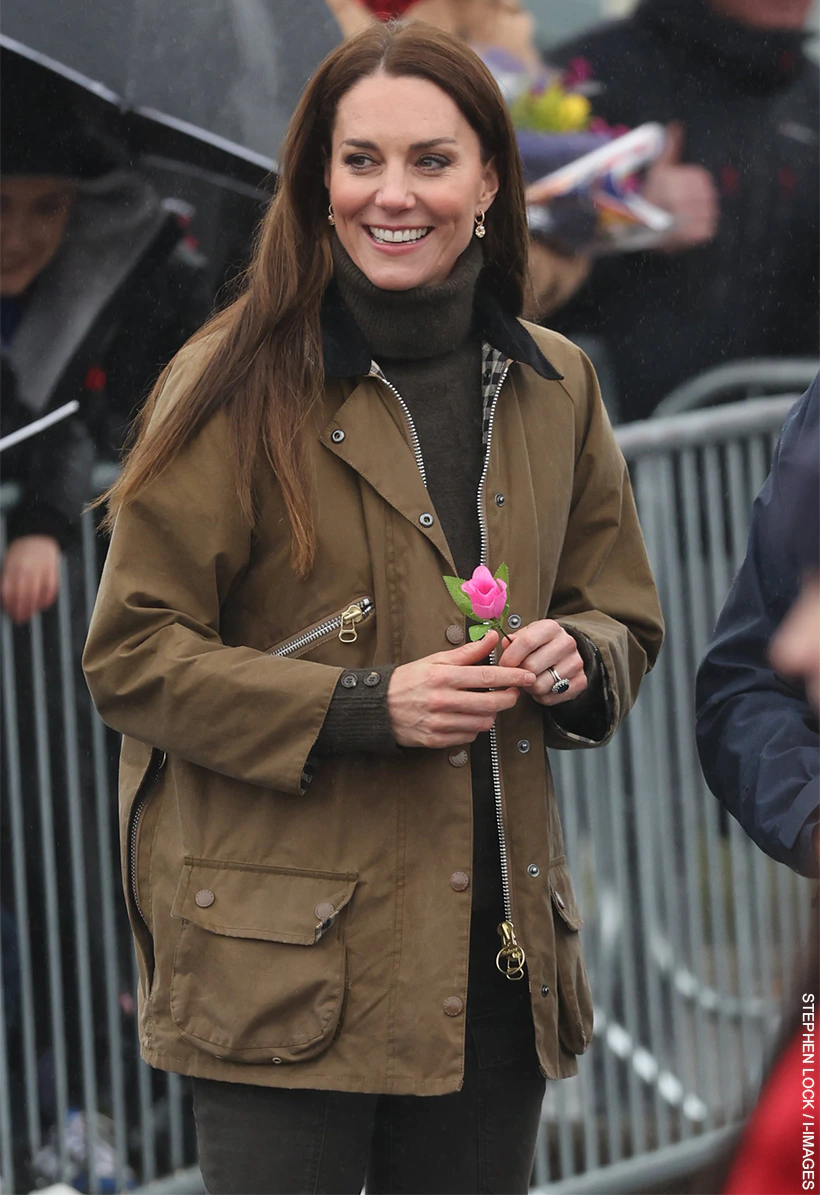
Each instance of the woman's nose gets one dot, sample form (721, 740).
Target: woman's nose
(394, 193)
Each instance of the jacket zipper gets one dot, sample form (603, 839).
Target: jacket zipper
(149, 787)
(343, 624)
(511, 957)
(413, 433)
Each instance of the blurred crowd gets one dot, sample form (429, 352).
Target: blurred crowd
(103, 275)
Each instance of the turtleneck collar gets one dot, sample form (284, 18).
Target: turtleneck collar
(759, 58)
(415, 324)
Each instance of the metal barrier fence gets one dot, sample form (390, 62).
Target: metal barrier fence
(690, 930)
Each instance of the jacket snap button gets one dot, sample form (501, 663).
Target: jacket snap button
(544, 990)
(559, 900)
(349, 680)
(276, 1060)
(523, 746)
(454, 633)
(453, 1007)
(426, 520)
(514, 622)
(499, 499)
(204, 898)
(459, 880)
(324, 910)
(458, 758)
(337, 436)
(534, 870)
(372, 679)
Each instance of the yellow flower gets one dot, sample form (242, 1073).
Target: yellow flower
(573, 113)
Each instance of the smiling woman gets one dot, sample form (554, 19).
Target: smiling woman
(339, 817)
(405, 205)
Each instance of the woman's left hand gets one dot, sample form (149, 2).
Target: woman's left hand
(540, 646)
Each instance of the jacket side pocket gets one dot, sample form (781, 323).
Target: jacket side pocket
(575, 1019)
(260, 965)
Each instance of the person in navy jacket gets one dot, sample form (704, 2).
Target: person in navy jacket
(757, 730)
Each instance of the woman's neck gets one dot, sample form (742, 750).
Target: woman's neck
(423, 322)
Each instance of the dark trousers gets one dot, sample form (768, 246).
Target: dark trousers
(480, 1139)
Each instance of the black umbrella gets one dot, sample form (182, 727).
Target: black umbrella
(211, 83)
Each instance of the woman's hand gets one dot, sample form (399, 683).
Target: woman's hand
(432, 702)
(31, 576)
(543, 645)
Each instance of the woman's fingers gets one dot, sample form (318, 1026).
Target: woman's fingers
(450, 697)
(542, 633)
(545, 645)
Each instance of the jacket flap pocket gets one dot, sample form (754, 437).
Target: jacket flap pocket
(563, 896)
(272, 904)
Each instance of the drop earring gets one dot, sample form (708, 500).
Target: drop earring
(331, 219)
(480, 230)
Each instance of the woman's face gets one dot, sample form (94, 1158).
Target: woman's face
(34, 211)
(406, 180)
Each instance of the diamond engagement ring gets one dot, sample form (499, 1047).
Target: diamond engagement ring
(561, 683)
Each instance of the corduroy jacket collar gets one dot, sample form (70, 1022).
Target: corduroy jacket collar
(347, 355)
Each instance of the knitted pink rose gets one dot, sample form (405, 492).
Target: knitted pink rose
(487, 594)
(483, 599)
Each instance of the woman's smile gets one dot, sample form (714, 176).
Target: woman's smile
(394, 238)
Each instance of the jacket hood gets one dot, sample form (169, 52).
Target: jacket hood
(761, 59)
(116, 221)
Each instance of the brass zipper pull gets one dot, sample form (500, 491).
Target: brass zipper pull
(510, 958)
(347, 631)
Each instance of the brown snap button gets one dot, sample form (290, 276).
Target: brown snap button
(204, 898)
(276, 1060)
(453, 1007)
(324, 910)
(459, 880)
(455, 634)
(458, 758)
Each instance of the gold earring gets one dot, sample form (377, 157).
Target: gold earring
(331, 219)
(480, 230)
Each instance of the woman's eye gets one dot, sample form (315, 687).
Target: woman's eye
(358, 161)
(433, 162)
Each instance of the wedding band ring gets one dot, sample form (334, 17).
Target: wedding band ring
(561, 683)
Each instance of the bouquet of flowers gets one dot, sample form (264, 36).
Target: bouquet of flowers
(583, 174)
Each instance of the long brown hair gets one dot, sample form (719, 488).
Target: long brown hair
(265, 363)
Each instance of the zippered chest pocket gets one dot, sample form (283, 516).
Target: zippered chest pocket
(343, 626)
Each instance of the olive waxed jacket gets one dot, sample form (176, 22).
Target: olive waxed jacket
(307, 924)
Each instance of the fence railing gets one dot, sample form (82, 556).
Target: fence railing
(690, 931)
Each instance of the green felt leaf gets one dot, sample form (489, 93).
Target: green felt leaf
(502, 573)
(478, 632)
(459, 596)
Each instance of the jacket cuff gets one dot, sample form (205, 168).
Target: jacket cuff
(41, 520)
(797, 828)
(357, 720)
(588, 716)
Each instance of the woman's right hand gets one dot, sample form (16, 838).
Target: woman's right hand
(433, 703)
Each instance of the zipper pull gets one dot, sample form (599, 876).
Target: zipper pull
(510, 958)
(347, 630)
